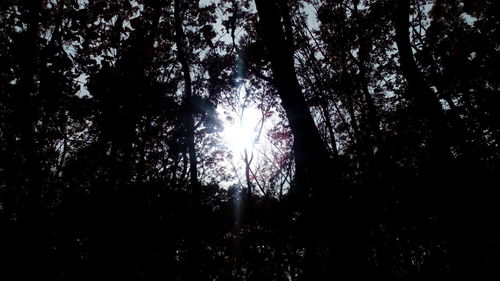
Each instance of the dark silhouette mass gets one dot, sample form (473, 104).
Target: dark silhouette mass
(376, 153)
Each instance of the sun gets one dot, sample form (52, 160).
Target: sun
(241, 133)
(254, 157)
(241, 129)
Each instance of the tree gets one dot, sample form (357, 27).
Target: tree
(309, 151)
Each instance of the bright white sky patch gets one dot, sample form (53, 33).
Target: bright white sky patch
(241, 135)
(242, 129)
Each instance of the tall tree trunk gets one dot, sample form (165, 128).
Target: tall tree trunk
(194, 238)
(27, 107)
(364, 57)
(372, 139)
(188, 94)
(316, 176)
(32, 213)
(311, 155)
(425, 101)
(439, 169)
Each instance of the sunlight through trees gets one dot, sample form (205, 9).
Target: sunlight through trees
(249, 140)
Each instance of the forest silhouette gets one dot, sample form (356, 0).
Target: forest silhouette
(382, 160)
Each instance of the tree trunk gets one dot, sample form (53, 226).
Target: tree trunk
(329, 126)
(32, 211)
(188, 94)
(426, 103)
(193, 271)
(317, 182)
(311, 155)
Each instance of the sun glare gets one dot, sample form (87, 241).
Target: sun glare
(241, 133)
(241, 130)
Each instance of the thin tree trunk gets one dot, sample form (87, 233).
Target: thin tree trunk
(329, 126)
(247, 173)
(364, 55)
(194, 238)
(188, 94)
